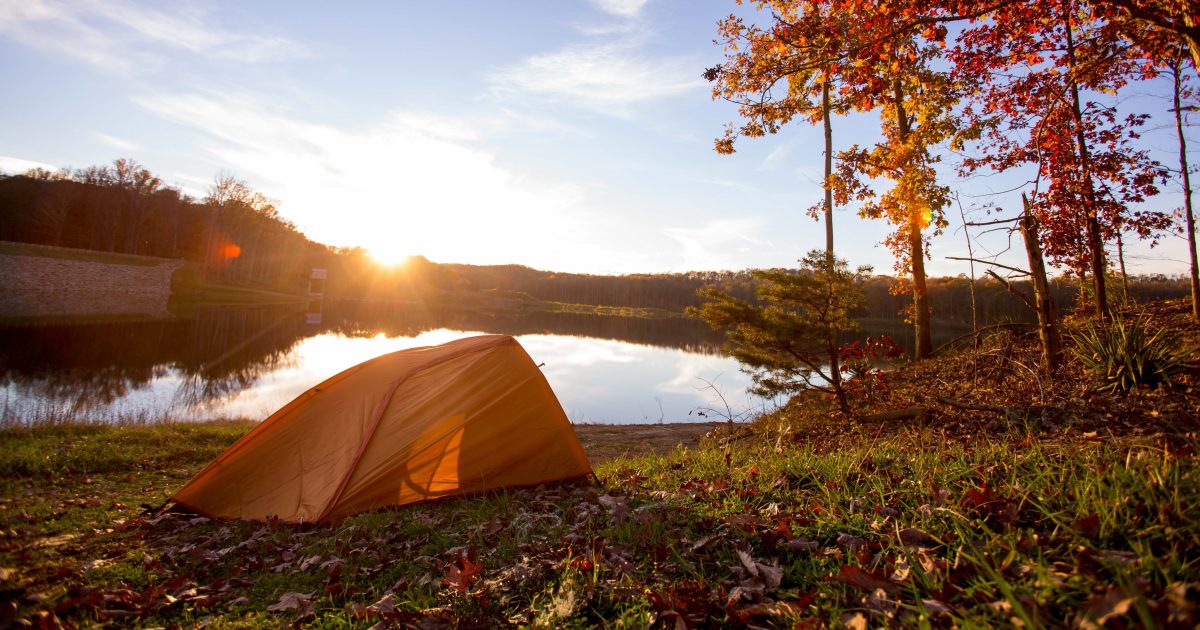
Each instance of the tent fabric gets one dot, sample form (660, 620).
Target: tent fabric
(464, 417)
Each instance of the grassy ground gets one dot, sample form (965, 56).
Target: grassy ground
(85, 255)
(1012, 500)
(909, 527)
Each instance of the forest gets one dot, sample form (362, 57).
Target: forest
(236, 236)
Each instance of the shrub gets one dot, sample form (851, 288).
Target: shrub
(1127, 354)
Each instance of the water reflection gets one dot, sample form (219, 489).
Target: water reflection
(247, 362)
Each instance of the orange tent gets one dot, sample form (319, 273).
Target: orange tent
(464, 417)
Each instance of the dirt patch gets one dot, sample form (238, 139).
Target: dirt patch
(609, 441)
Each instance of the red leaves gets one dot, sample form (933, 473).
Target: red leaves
(1088, 526)
(121, 603)
(991, 506)
(461, 574)
(865, 580)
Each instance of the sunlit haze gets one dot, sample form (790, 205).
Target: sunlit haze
(573, 136)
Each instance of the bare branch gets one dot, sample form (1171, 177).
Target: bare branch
(988, 262)
(1013, 290)
(996, 222)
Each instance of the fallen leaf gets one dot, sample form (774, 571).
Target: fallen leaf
(853, 621)
(385, 606)
(703, 542)
(936, 607)
(865, 580)
(356, 610)
(913, 536)
(878, 600)
(300, 602)
(618, 508)
(1101, 608)
(770, 576)
(460, 578)
(1088, 526)
(802, 544)
(850, 542)
(900, 571)
(1001, 606)
(308, 562)
(1182, 607)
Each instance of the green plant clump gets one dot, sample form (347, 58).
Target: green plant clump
(1129, 354)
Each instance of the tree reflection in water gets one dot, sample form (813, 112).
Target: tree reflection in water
(96, 370)
(247, 361)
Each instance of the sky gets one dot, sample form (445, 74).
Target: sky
(567, 135)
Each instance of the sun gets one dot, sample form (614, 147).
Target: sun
(388, 257)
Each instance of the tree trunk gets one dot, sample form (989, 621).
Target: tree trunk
(971, 255)
(832, 340)
(1121, 262)
(1082, 303)
(825, 111)
(1047, 328)
(1095, 242)
(924, 341)
(1189, 218)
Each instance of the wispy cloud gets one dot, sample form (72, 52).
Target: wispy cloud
(122, 36)
(605, 77)
(777, 155)
(119, 144)
(412, 183)
(725, 183)
(721, 244)
(623, 8)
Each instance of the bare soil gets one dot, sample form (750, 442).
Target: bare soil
(603, 442)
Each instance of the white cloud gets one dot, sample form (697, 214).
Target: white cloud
(725, 183)
(16, 166)
(119, 144)
(122, 36)
(409, 184)
(623, 8)
(777, 155)
(607, 77)
(721, 244)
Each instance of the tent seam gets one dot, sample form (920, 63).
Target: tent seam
(383, 405)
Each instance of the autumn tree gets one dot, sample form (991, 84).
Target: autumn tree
(786, 340)
(779, 74)
(1180, 90)
(782, 73)
(1175, 21)
(915, 104)
(877, 60)
(248, 240)
(1037, 69)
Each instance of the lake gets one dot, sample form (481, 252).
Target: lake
(226, 362)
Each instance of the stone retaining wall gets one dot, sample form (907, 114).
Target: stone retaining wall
(56, 286)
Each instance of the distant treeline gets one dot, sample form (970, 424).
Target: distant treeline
(949, 297)
(235, 236)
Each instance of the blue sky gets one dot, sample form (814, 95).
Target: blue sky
(566, 135)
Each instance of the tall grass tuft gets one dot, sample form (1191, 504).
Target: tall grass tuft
(1128, 354)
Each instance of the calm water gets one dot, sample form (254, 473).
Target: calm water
(248, 362)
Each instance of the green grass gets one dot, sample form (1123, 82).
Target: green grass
(975, 532)
(85, 255)
(609, 311)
